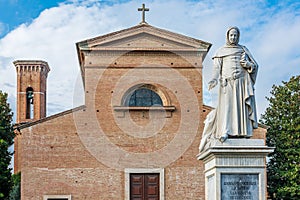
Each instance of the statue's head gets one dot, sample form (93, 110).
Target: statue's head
(232, 36)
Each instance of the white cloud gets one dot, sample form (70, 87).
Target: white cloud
(271, 34)
(52, 37)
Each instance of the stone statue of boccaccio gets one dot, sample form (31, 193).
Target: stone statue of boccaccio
(235, 70)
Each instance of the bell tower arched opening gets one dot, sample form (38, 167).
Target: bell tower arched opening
(29, 103)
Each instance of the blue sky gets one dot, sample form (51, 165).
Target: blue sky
(15, 12)
(49, 29)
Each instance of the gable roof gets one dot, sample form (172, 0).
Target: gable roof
(23, 125)
(142, 37)
(102, 42)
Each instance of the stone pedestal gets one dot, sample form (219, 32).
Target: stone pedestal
(235, 169)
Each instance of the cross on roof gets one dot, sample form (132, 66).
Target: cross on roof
(143, 9)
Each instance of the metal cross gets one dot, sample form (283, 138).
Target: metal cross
(143, 9)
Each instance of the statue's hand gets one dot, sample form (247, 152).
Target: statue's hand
(245, 61)
(212, 84)
(246, 64)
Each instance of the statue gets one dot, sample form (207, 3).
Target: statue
(235, 116)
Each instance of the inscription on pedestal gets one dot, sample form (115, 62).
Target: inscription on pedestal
(239, 187)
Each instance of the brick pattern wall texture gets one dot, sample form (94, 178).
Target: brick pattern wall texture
(84, 153)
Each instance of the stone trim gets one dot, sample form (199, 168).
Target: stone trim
(121, 110)
(144, 28)
(142, 51)
(46, 197)
(141, 108)
(142, 67)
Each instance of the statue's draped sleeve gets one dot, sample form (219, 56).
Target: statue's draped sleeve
(217, 66)
(253, 71)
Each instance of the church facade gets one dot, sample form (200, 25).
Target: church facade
(138, 132)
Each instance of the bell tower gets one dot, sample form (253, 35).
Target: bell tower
(31, 89)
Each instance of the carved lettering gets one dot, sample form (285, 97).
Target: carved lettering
(239, 186)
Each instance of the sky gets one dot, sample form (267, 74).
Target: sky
(48, 30)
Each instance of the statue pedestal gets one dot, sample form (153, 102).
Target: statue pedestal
(235, 169)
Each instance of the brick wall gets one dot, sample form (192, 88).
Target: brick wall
(84, 153)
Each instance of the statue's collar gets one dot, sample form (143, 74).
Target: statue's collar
(228, 50)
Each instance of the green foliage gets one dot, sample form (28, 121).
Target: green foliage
(283, 119)
(6, 140)
(15, 193)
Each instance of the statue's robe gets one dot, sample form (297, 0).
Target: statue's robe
(235, 115)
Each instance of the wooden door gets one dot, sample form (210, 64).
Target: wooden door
(144, 186)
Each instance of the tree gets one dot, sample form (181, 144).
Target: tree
(6, 140)
(15, 193)
(283, 119)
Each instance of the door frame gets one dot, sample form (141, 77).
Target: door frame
(159, 171)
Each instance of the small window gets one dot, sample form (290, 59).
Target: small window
(144, 97)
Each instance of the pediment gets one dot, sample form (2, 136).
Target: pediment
(144, 37)
(140, 38)
(142, 41)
